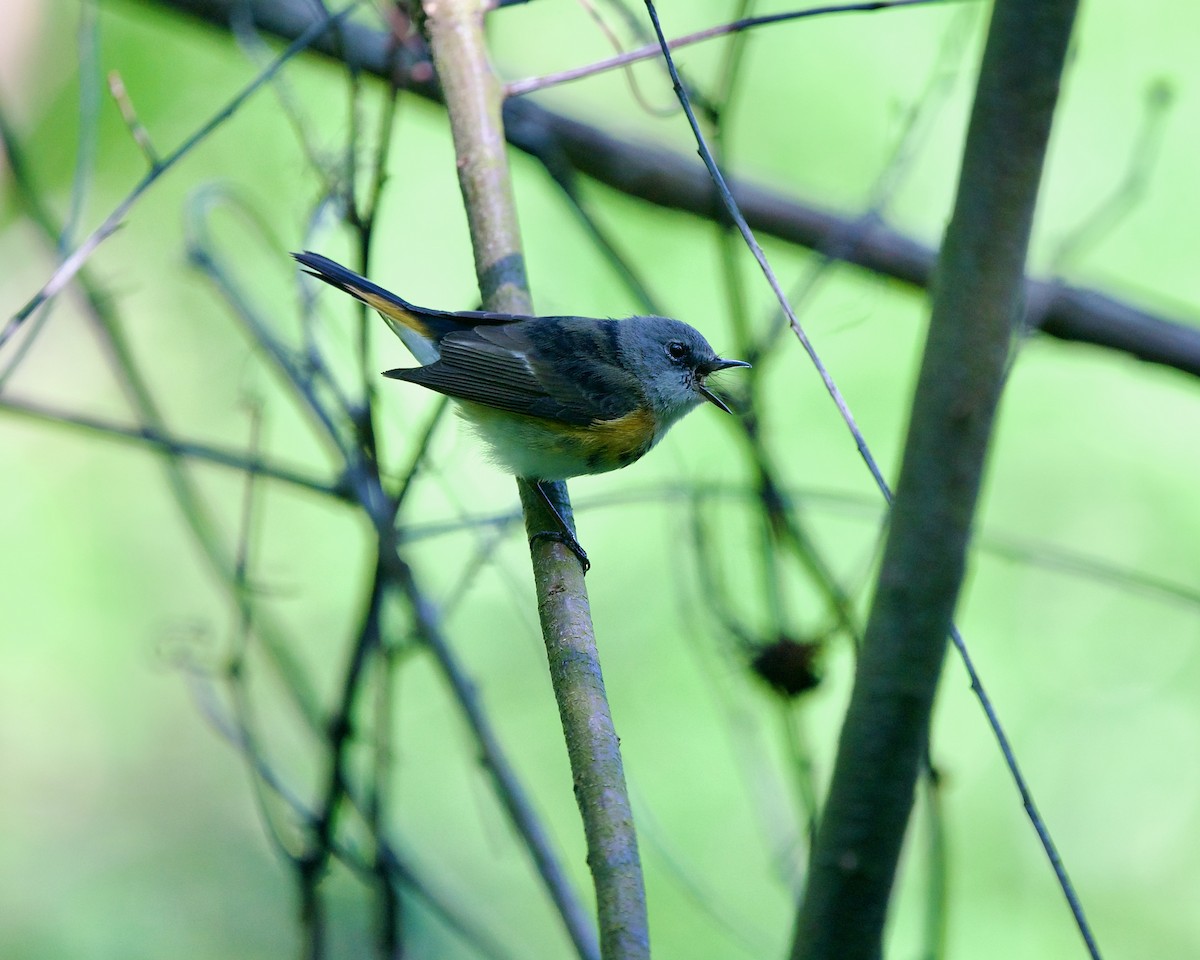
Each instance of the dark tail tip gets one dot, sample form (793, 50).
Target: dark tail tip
(334, 274)
(318, 266)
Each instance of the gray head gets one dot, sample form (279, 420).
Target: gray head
(672, 361)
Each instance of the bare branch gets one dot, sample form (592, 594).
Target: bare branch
(976, 301)
(78, 257)
(669, 180)
(472, 94)
(167, 443)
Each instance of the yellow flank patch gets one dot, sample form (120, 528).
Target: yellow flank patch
(391, 311)
(608, 444)
(629, 432)
(544, 449)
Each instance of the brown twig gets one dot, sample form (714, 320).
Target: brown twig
(648, 51)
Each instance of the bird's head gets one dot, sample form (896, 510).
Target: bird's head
(673, 361)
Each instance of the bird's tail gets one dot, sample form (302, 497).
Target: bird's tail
(400, 315)
(420, 328)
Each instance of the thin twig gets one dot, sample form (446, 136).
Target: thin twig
(364, 485)
(1027, 801)
(137, 130)
(312, 864)
(251, 464)
(509, 789)
(838, 502)
(519, 88)
(672, 181)
(1129, 190)
(399, 870)
(816, 937)
(179, 480)
(71, 265)
(88, 42)
(735, 214)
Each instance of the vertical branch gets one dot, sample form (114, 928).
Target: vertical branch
(473, 98)
(976, 304)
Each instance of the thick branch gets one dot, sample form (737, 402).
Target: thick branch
(669, 180)
(976, 305)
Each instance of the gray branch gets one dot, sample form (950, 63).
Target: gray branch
(976, 305)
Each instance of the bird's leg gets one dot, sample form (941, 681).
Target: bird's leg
(562, 535)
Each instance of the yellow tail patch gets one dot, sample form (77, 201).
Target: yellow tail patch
(392, 312)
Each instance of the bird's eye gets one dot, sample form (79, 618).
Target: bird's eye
(676, 350)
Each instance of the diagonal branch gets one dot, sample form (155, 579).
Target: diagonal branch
(72, 264)
(670, 180)
(363, 485)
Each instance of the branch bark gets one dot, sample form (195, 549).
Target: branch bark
(568, 147)
(976, 306)
(473, 99)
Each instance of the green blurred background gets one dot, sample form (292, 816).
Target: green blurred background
(131, 829)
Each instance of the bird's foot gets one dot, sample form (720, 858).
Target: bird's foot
(568, 541)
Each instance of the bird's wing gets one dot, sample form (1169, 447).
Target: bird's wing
(558, 368)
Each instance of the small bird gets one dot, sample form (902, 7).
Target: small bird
(552, 397)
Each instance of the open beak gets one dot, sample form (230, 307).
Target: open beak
(714, 365)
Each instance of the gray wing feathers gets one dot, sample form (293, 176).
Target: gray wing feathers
(499, 366)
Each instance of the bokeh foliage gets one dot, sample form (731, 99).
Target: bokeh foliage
(137, 830)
